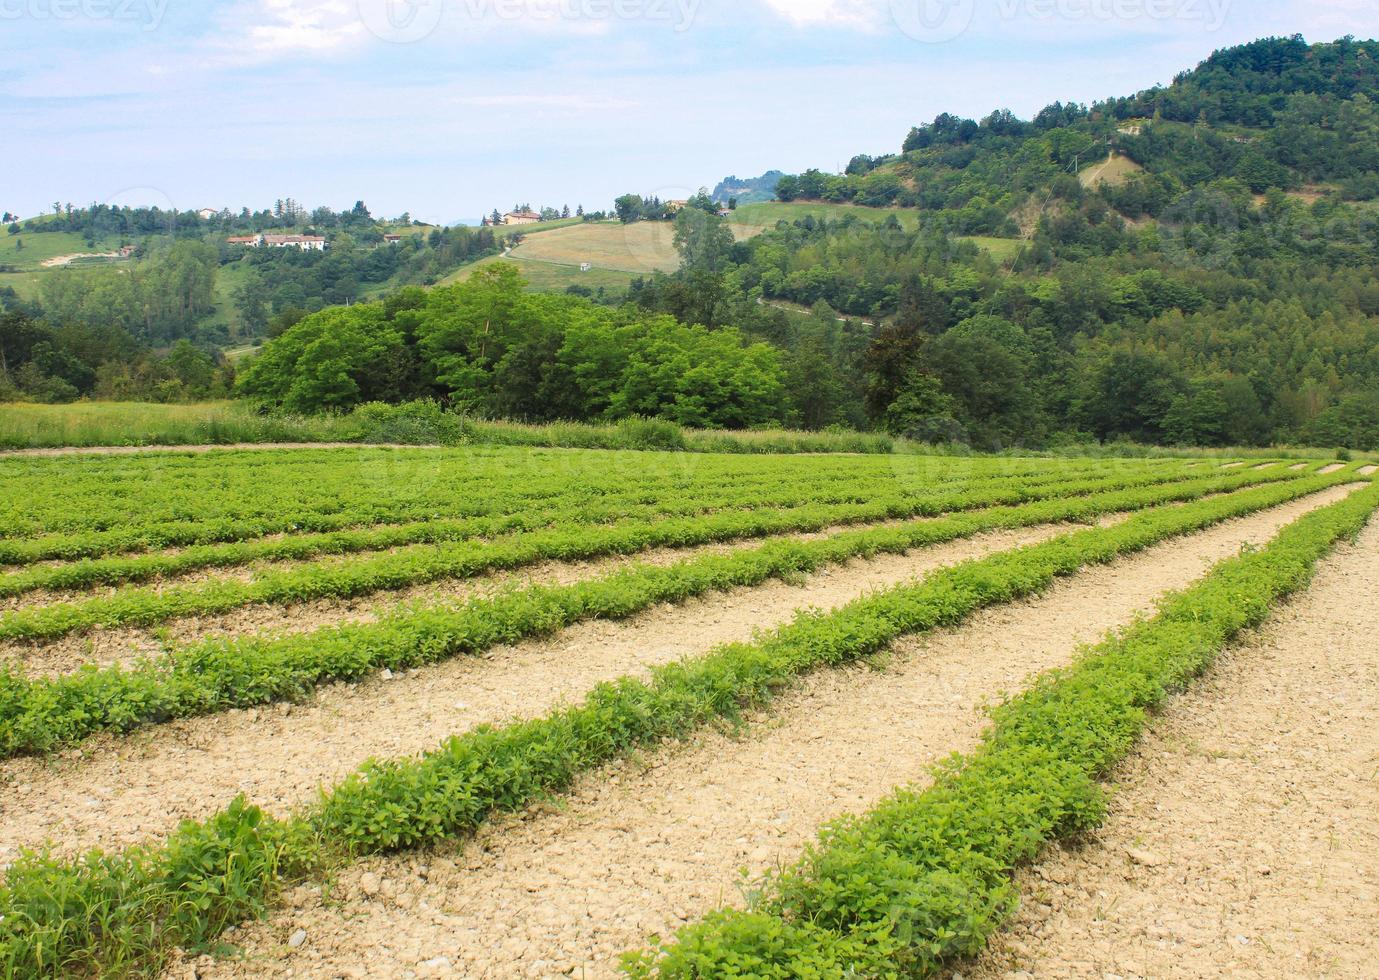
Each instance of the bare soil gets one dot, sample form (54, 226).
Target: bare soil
(103, 647)
(641, 848)
(119, 790)
(1242, 839)
(1368, 470)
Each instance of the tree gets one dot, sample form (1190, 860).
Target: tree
(705, 244)
(1127, 394)
(251, 303)
(331, 360)
(192, 367)
(983, 364)
(923, 411)
(628, 208)
(1197, 417)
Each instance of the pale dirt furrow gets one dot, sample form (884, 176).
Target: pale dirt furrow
(104, 647)
(118, 790)
(1242, 840)
(643, 847)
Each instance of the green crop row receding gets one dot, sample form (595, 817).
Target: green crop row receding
(76, 495)
(503, 517)
(925, 877)
(468, 496)
(121, 912)
(38, 715)
(419, 565)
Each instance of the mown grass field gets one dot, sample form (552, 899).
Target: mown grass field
(27, 279)
(279, 690)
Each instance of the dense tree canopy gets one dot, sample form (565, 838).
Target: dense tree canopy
(491, 348)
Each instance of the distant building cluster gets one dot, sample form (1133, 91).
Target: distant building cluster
(515, 218)
(307, 243)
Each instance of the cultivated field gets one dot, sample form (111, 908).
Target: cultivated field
(515, 712)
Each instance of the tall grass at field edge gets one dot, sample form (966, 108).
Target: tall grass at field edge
(129, 424)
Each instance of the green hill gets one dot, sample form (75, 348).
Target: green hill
(1192, 263)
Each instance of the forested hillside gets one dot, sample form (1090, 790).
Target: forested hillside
(1218, 287)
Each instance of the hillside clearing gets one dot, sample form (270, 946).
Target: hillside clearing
(1115, 170)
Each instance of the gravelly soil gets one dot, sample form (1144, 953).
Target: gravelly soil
(1242, 840)
(119, 790)
(642, 847)
(125, 645)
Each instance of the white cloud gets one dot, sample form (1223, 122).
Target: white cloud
(267, 29)
(863, 14)
(577, 103)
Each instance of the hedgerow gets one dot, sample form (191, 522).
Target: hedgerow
(925, 877)
(39, 714)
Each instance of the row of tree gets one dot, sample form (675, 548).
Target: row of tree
(40, 362)
(487, 346)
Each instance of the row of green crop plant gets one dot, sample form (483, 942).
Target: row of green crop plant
(422, 564)
(74, 498)
(925, 877)
(607, 510)
(505, 493)
(291, 479)
(120, 912)
(41, 714)
(512, 495)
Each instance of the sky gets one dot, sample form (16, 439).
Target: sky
(447, 109)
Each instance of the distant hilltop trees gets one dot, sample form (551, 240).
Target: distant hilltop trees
(112, 220)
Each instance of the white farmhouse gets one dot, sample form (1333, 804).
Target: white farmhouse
(307, 243)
